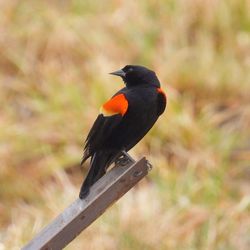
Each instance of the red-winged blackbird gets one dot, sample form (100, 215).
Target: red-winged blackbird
(123, 120)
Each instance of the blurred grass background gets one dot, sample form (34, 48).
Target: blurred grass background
(55, 56)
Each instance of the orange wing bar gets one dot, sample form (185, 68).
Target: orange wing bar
(117, 105)
(161, 91)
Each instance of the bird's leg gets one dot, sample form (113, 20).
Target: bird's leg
(123, 159)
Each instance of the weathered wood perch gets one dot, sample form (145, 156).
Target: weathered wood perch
(81, 213)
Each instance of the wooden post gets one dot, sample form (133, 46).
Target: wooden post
(81, 213)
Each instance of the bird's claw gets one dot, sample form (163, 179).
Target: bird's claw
(123, 159)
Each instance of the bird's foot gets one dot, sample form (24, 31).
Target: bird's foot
(123, 159)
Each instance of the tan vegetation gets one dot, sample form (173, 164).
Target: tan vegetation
(55, 56)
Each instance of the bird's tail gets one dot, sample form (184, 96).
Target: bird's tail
(98, 165)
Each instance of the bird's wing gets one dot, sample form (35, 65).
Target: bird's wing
(111, 114)
(162, 101)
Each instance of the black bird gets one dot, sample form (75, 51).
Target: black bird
(123, 120)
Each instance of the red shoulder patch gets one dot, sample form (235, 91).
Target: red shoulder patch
(162, 101)
(159, 90)
(117, 105)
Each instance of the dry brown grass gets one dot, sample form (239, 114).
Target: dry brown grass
(55, 56)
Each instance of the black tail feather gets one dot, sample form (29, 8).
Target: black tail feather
(98, 165)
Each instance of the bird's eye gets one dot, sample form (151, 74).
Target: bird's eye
(130, 69)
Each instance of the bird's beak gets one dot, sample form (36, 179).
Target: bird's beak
(119, 72)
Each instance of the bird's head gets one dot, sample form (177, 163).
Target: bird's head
(135, 75)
